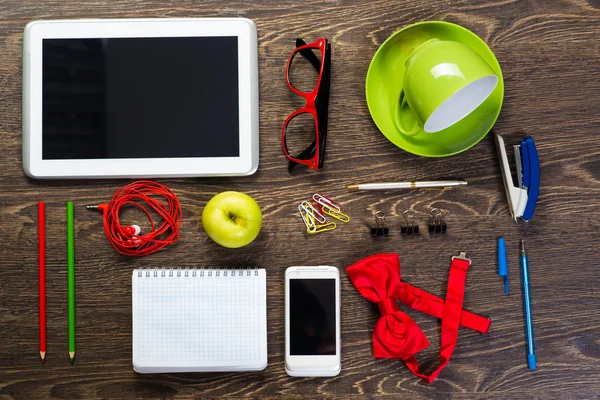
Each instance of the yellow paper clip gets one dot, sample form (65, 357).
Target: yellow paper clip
(330, 208)
(321, 228)
(310, 216)
(336, 214)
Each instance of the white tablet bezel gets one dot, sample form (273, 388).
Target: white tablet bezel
(245, 164)
(315, 365)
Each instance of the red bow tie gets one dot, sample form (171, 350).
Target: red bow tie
(396, 335)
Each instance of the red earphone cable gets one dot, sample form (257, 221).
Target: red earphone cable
(142, 194)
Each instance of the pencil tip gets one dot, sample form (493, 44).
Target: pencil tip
(72, 356)
(43, 356)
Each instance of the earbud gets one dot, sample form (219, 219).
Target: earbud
(133, 230)
(136, 239)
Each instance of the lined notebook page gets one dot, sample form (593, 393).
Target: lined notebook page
(199, 320)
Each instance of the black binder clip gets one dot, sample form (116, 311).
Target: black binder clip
(411, 227)
(380, 228)
(437, 223)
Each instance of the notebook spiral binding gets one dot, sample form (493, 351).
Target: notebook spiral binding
(195, 272)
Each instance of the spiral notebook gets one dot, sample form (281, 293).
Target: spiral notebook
(199, 320)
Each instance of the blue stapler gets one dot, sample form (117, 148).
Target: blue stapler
(521, 198)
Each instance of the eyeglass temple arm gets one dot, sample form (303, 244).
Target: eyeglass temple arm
(322, 103)
(308, 54)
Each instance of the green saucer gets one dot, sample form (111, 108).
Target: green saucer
(384, 84)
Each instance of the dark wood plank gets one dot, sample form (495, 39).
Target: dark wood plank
(549, 54)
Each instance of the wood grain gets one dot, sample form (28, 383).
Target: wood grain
(549, 53)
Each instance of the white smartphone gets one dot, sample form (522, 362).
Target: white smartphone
(312, 321)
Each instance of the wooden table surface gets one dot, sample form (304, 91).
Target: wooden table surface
(549, 53)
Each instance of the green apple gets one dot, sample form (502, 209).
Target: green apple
(232, 219)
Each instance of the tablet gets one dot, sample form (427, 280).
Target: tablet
(134, 98)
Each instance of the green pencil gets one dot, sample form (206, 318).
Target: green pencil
(71, 278)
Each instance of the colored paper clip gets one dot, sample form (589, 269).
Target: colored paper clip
(331, 208)
(308, 221)
(337, 215)
(309, 218)
(311, 210)
(321, 228)
(325, 202)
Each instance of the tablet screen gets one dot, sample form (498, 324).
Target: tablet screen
(163, 97)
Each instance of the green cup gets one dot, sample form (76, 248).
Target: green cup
(444, 82)
(385, 81)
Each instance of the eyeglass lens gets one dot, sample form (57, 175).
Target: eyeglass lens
(300, 134)
(302, 73)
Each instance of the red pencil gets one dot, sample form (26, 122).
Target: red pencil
(42, 259)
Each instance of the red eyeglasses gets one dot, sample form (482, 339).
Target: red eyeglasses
(314, 114)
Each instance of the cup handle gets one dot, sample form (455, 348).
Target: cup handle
(399, 124)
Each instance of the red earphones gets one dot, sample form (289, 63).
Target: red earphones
(142, 194)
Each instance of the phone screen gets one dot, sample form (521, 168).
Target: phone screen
(312, 317)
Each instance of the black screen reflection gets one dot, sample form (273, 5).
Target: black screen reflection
(140, 98)
(312, 317)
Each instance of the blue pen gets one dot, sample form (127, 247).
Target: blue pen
(527, 305)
